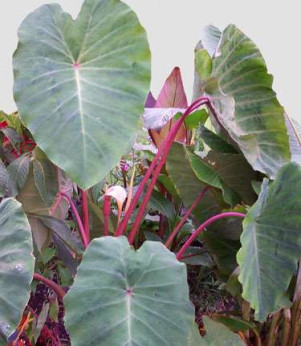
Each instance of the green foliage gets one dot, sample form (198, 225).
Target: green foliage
(16, 265)
(68, 75)
(80, 86)
(245, 103)
(271, 242)
(125, 297)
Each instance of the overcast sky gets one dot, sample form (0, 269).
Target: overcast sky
(174, 27)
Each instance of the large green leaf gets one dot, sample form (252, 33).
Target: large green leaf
(189, 186)
(16, 265)
(129, 297)
(80, 85)
(271, 242)
(253, 118)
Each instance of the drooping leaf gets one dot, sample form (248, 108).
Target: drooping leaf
(45, 177)
(62, 231)
(189, 186)
(235, 172)
(33, 203)
(18, 171)
(13, 136)
(219, 335)
(80, 83)
(246, 105)
(16, 265)
(271, 242)
(206, 172)
(130, 297)
(215, 142)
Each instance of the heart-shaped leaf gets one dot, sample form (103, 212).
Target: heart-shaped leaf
(16, 265)
(80, 85)
(271, 242)
(129, 297)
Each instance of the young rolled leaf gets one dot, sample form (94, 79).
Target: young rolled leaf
(245, 103)
(129, 297)
(80, 83)
(271, 242)
(16, 265)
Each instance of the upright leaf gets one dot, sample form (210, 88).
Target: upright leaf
(254, 119)
(81, 83)
(271, 242)
(45, 177)
(130, 297)
(16, 265)
(171, 100)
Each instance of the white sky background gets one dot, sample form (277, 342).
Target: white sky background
(174, 27)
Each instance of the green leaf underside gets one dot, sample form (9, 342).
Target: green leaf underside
(129, 297)
(271, 242)
(256, 119)
(205, 171)
(16, 265)
(80, 85)
(189, 186)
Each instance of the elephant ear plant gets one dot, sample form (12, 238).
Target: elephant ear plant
(114, 231)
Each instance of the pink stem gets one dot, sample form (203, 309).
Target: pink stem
(85, 211)
(185, 217)
(205, 224)
(161, 159)
(78, 219)
(57, 289)
(158, 158)
(106, 214)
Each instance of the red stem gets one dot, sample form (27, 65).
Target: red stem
(205, 224)
(161, 159)
(185, 217)
(85, 211)
(78, 219)
(164, 147)
(57, 289)
(106, 214)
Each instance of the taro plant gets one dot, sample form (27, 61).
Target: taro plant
(139, 220)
